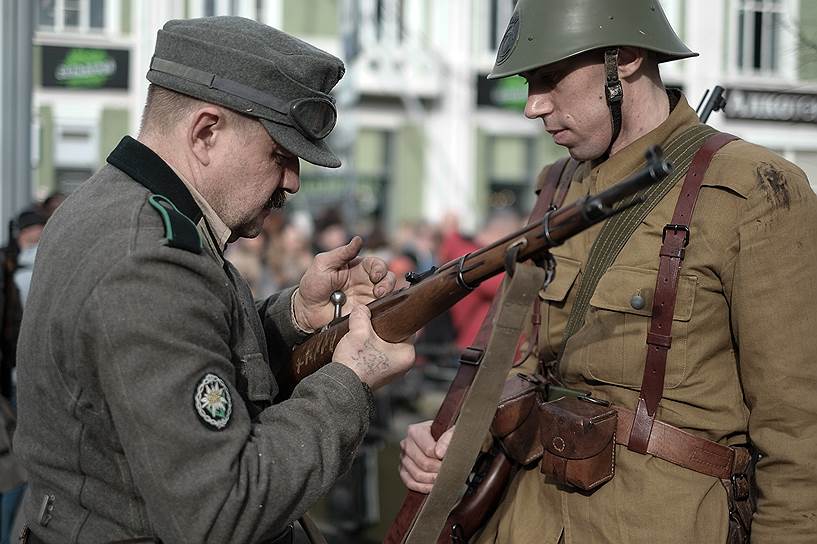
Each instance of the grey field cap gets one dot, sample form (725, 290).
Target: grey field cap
(543, 32)
(251, 68)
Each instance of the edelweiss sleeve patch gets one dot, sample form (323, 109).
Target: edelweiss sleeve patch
(213, 402)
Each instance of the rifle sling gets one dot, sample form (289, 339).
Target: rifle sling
(618, 229)
(551, 195)
(480, 403)
(553, 192)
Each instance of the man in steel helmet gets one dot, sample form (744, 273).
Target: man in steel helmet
(740, 357)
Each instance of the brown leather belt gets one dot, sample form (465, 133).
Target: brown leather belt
(685, 449)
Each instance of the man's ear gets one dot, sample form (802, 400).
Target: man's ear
(630, 60)
(204, 129)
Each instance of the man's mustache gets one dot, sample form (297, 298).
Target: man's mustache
(277, 200)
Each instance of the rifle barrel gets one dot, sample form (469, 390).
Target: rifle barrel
(404, 312)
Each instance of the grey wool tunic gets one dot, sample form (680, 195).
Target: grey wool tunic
(147, 389)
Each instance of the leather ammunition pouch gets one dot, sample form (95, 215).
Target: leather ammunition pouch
(578, 437)
(515, 423)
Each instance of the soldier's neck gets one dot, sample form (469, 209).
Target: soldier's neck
(645, 107)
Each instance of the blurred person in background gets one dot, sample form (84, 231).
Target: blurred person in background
(468, 314)
(247, 255)
(30, 224)
(18, 258)
(51, 203)
(150, 410)
(289, 253)
(330, 230)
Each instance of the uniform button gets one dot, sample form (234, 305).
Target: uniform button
(637, 302)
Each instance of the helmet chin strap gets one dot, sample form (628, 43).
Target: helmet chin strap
(614, 93)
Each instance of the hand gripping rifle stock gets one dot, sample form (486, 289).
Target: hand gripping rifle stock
(494, 469)
(402, 313)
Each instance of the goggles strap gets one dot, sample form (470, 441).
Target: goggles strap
(228, 86)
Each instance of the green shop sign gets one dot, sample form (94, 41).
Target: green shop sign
(507, 93)
(85, 67)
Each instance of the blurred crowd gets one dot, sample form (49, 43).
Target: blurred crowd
(17, 257)
(279, 256)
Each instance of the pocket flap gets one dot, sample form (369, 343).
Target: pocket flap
(566, 272)
(620, 284)
(576, 429)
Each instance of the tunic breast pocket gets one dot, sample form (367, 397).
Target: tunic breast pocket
(554, 316)
(614, 338)
(256, 378)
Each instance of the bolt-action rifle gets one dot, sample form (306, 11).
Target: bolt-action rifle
(402, 313)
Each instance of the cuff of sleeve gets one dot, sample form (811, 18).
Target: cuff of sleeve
(360, 392)
(281, 313)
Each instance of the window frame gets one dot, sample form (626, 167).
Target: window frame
(84, 21)
(784, 65)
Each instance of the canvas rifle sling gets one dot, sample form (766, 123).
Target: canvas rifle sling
(618, 229)
(435, 512)
(480, 403)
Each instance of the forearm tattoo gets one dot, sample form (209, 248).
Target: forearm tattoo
(372, 358)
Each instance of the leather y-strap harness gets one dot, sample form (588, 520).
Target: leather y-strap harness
(659, 439)
(659, 338)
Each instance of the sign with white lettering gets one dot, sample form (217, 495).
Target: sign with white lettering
(84, 67)
(507, 93)
(783, 107)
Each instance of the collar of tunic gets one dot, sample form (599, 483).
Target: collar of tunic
(631, 158)
(142, 164)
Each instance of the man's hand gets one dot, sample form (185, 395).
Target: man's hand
(375, 361)
(361, 279)
(421, 456)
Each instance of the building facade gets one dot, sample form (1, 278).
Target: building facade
(421, 131)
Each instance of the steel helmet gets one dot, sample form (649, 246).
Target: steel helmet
(542, 32)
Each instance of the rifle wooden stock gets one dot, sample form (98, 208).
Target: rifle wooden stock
(404, 312)
(491, 478)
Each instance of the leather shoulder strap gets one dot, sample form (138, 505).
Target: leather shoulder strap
(675, 239)
(554, 187)
(618, 229)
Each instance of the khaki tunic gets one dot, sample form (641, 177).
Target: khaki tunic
(743, 360)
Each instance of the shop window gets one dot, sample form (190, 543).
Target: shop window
(759, 35)
(210, 8)
(510, 166)
(71, 15)
(97, 18)
(499, 15)
(45, 13)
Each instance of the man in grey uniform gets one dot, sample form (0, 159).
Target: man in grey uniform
(147, 374)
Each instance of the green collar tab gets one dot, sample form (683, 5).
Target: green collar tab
(180, 231)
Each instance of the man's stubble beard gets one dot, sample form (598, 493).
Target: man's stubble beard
(253, 228)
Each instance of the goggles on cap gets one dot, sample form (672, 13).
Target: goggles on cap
(313, 116)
